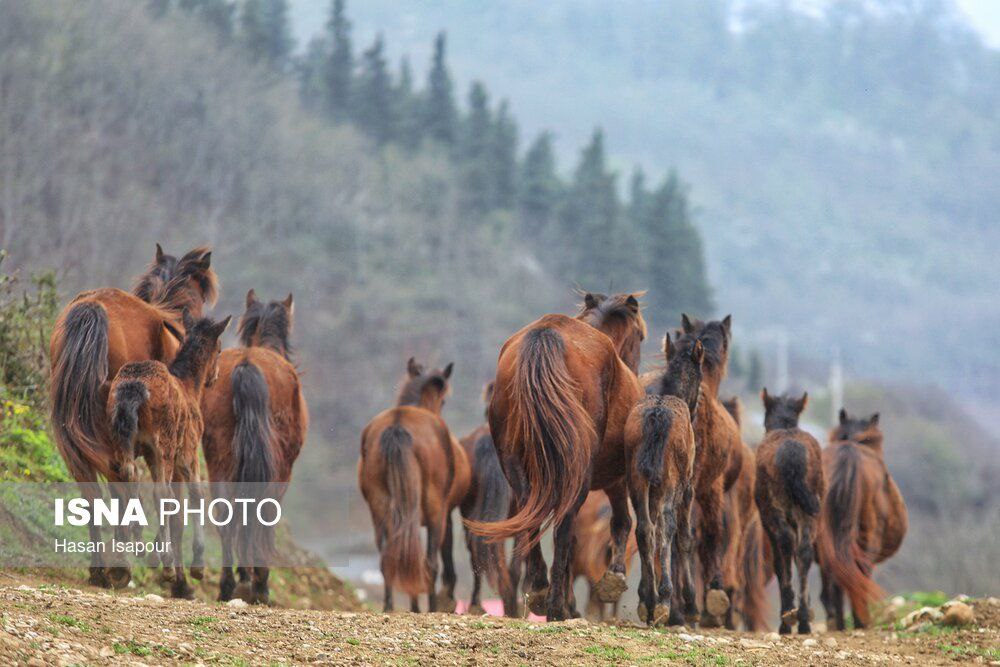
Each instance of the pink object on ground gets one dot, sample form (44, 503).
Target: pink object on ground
(493, 608)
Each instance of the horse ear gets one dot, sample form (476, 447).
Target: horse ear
(698, 352)
(765, 397)
(188, 321)
(289, 304)
(448, 369)
(843, 416)
(666, 345)
(206, 260)
(590, 301)
(804, 401)
(632, 303)
(413, 368)
(158, 258)
(221, 326)
(686, 324)
(488, 391)
(251, 297)
(874, 419)
(727, 325)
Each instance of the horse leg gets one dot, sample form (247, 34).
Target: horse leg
(838, 606)
(803, 560)
(828, 596)
(613, 583)
(510, 607)
(595, 608)
(260, 593)
(666, 535)
(161, 491)
(197, 498)
(448, 576)
(645, 536)
(90, 490)
(562, 557)
(119, 574)
(434, 540)
(684, 544)
(180, 588)
(710, 549)
(227, 583)
(415, 605)
(782, 546)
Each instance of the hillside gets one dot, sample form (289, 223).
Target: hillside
(845, 165)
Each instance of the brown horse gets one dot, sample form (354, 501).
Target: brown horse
(564, 388)
(412, 472)
(256, 421)
(154, 411)
(94, 336)
(489, 499)
(863, 521)
(660, 456)
(788, 491)
(718, 447)
(592, 549)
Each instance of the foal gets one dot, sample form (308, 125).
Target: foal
(788, 492)
(660, 453)
(154, 412)
(412, 472)
(863, 521)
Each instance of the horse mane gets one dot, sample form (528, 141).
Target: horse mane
(190, 358)
(152, 284)
(176, 294)
(270, 323)
(413, 388)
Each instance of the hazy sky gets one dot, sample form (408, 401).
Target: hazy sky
(985, 16)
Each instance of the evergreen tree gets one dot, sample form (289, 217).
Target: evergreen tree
(374, 103)
(638, 196)
(312, 86)
(408, 118)
(439, 113)
(340, 65)
(264, 25)
(504, 159)
(216, 13)
(540, 188)
(755, 372)
(476, 155)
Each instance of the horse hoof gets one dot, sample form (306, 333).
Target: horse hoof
(167, 575)
(243, 591)
(476, 610)
(118, 577)
(611, 586)
(710, 621)
(717, 602)
(538, 601)
(98, 578)
(661, 615)
(445, 603)
(197, 572)
(791, 616)
(182, 590)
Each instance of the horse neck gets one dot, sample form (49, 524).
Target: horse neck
(625, 338)
(189, 299)
(272, 342)
(712, 381)
(188, 372)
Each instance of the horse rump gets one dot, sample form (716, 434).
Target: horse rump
(792, 463)
(129, 397)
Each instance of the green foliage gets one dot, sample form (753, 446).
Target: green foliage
(340, 64)
(440, 114)
(375, 101)
(265, 30)
(927, 598)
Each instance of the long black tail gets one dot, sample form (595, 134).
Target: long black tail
(791, 461)
(254, 458)
(656, 423)
(492, 503)
(79, 369)
(129, 397)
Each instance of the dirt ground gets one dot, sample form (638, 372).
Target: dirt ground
(53, 624)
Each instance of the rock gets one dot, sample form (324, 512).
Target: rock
(810, 642)
(957, 613)
(237, 603)
(153, 597)
(830, 642)
(576, 622)
(36, 662)
(772, 637)
(685, 637)
(922, 615)
(106, 652)
(752, 643)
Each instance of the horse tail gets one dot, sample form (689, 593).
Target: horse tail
(129, 397)
(754, 587)
(403, 560)
(656, 423)
(837, 542)
(554, 434)
(792, 467)
(253, 457)
(492, 503)
(79, 369)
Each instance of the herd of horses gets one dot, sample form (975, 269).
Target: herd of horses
(575, 439)
(578, 441)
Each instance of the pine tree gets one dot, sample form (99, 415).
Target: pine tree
(504, 160)
(312, 86)
(475, 154)
(216, 13)
(407, 102)
(439, 113)
(374, 104)
(340, 65)
(265, 30)
(638, 198)
(540, 188)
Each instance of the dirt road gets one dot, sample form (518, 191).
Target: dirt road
(45, 623)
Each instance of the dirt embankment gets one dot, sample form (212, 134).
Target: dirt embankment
(46, 624)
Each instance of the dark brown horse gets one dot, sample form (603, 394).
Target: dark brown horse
(789, 491)
(863, 521)
(412, 472)
(564, 388)
(592, 549)
(489, 499)
(718, 447)
(660, 457)
(256, 421)
(95, 335)
(154, 412)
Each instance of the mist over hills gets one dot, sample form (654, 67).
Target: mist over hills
(844, 165)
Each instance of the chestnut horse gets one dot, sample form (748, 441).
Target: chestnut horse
(564, 388)
(789, 491)
(719, 447)
(256, 421)
(660, 456)
(95, 335)
(489, 499)
(154, 412)
(412, 472)
(863, 521)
